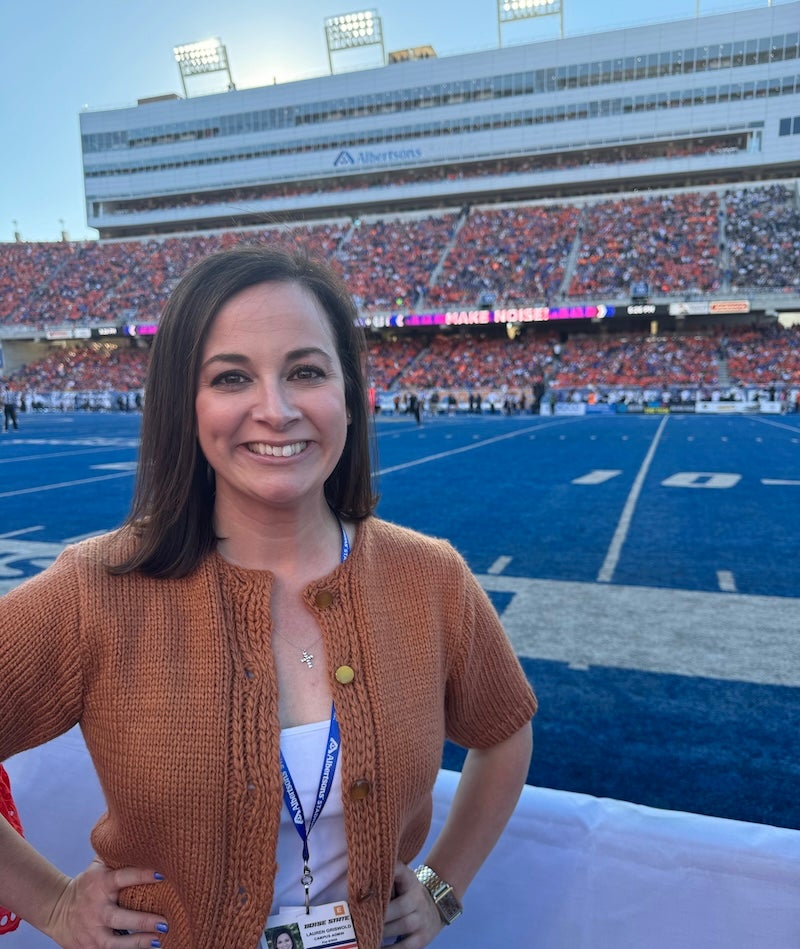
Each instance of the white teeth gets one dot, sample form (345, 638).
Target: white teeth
(277, 451)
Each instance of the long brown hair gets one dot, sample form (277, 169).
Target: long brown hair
(172, 507)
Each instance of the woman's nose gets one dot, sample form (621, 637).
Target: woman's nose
(274, 405)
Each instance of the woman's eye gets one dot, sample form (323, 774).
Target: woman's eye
(307, 372)
(230, 378)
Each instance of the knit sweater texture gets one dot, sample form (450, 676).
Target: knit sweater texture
(174, 687)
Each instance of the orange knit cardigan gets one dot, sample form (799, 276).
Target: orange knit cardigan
(173, 685)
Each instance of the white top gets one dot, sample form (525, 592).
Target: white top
(304, 748)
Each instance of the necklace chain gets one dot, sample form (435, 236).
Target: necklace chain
(306, 655)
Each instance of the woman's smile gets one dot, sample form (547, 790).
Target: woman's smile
(277, 451)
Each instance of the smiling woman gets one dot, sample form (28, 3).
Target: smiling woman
(265, 673)
(270, 406)
(253, 293)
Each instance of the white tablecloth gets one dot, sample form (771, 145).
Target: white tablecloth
(570, 872)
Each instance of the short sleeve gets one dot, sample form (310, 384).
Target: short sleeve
(40, 658)
(488, 696)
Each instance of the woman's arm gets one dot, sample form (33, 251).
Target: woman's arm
(76, 913)
(487, 793)
(29, 884)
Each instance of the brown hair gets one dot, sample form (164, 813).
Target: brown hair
(171, 512)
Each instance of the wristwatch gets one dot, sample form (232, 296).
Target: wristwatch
(441, 893)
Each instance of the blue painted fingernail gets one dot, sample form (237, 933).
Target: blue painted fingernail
(162, 927)
(158, 876)
(156, 944)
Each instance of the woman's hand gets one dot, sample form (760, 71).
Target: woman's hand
(88, 916)
(411, 913)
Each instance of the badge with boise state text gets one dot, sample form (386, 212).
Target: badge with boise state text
(323, 927)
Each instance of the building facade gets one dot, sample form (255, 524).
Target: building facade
(706, 100)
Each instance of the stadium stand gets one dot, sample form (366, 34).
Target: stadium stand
(661, 157)
(767, 357)
(762, 228)
(518, 255)
(508, 256)
(765, 360)
(643, 362)
(388, 263)
(670, 242)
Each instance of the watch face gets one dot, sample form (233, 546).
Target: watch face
(448, 906)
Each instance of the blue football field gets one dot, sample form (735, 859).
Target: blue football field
(645, 568)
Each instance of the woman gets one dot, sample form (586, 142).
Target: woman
(251, 620)
(283, 939)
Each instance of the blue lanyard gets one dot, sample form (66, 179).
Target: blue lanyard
(295, 807)
(290, 795)
(345, 542)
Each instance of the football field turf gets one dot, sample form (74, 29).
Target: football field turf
(645, 568)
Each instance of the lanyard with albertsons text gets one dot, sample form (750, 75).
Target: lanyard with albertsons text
(292, 798)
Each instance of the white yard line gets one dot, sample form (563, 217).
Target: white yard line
(615, 549)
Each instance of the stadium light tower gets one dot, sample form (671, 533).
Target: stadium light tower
(352, 30)
(508, 11)
(206, 56)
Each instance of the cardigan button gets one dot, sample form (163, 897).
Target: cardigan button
(344, 675)
(368, 893)
(324, 599)
(360, 789)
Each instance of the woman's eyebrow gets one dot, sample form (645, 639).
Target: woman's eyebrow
(237, 358)
(305, 351)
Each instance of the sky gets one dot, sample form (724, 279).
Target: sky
(62, 58)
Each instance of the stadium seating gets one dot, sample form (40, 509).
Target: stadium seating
(509, 256)
(670, 242)
(387, 264)
(768, 358)
(764, 358)
(762, 228)
(646, 361)
(683, 244)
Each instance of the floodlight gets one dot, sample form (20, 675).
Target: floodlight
(205, 56)
(353, 30)
(509, 11)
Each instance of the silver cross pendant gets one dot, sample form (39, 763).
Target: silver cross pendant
(307, 657)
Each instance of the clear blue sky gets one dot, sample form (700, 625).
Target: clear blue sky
(60, 58)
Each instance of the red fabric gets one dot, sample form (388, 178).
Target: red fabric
(8, 809)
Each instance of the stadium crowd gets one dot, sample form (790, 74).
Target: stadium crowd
(644, 362)
(765, 358)
(388, 264)
(669, 242)
(507, 256)
(682, 244)
(762, 228)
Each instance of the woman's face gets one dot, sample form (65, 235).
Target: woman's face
(284, 941)
(270, 403)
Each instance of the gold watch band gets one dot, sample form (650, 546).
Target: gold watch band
(441, 892)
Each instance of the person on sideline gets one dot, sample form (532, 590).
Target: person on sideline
(263, 670)
(9, 408)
